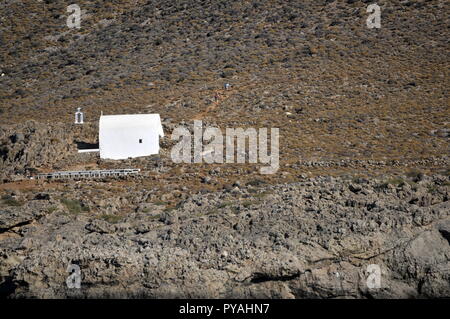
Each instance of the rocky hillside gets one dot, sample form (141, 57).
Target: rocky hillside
(313, 65)
(313, 238)
(32, 146)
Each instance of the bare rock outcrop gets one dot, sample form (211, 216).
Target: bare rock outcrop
(26, 147)
(311, 239)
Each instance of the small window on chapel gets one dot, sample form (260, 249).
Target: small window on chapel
(140, 141)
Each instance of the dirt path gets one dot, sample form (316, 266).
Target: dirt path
(219, 96)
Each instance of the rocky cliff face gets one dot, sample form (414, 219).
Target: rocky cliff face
(364, 145)
(314, 238)
(26, 148)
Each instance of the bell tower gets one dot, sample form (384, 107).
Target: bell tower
(79, 117)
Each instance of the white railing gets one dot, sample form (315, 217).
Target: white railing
(89, 174)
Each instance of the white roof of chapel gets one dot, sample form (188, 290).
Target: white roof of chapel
(123, 121)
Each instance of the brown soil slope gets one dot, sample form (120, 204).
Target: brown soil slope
(335, 88)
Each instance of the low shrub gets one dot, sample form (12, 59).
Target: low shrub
(74, 206)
